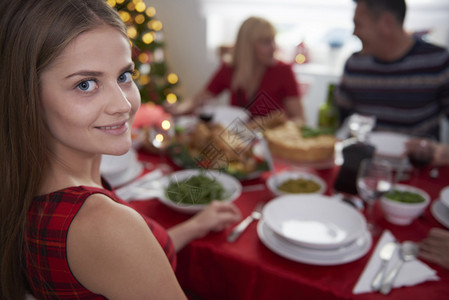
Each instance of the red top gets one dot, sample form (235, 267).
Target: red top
(49, 219)
(277, 83)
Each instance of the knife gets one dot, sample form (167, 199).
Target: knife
(386, 252)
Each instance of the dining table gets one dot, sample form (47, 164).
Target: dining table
(213, 268)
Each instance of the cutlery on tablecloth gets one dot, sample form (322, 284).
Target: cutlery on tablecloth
(408, 251)
(237, 231)
(385, 254)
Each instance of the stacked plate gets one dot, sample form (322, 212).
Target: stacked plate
(440, 207)
(314, 229)
(118, 170)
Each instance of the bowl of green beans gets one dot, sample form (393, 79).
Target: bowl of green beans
(404, 203)
(189, 191)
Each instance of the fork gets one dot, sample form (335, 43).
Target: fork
(256, 214)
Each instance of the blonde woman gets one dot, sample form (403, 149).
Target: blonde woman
(257, 81)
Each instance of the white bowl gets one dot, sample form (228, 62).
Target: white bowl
(232, 187)
(275, 180)
(402, 213)
(444, 196)
(314, 221)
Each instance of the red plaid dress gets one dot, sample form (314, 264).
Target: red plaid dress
(49, 218)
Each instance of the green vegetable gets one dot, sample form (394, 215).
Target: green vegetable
(198, 189)
(308, 132)
(405, 196)
(299, 186)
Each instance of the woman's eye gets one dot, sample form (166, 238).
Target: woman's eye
(87, 85)
(125, 77)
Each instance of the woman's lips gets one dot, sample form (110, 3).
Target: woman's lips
(115, 129)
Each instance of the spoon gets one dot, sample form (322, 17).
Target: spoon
(407, 252)
(386, 252)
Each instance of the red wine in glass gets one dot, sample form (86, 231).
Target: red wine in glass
(420, 152)
(419, 161)
(206, 117)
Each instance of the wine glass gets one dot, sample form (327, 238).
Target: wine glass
(160, 136)
(420, 151)
(374, 179)
(361, 125)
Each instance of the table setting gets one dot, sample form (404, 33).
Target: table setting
(309, 242)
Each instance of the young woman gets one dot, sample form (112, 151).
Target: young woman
(67, 97)
(256, 80)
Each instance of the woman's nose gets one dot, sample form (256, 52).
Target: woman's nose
(118, 101)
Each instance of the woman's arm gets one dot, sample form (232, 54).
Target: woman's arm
(112, 252)
(215, 217)
(188, 105)
(293, 108)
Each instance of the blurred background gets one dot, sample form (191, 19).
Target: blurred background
(315, 35)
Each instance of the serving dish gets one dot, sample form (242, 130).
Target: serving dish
(306, 183)
(403, 213)
(232, 189)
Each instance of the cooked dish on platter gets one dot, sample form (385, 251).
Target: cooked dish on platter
(299, 143)
(212, 146)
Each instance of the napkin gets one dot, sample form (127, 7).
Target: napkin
(143, 188)
(411, 273)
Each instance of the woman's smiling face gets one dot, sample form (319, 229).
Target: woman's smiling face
(88, 96)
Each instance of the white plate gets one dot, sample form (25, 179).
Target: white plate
(232, 187)
(115, 164)
(225, 114)
(342, 255)
(275, 180)
(388, 144)
(314, 221)
(129, 174)
(444, 196)
(440, 212)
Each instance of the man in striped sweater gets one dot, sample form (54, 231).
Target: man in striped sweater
(401, 80)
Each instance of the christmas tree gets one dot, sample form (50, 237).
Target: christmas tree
(152, 77)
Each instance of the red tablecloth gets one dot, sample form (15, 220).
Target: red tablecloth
(212, 268)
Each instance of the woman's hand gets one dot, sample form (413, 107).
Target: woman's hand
(435, 247)
(215, 217)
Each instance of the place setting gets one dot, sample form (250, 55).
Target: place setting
(314, 229)
(393, 265)
(440, 207)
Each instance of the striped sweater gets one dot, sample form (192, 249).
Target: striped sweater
(409, 95)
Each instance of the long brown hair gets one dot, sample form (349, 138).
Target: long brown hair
(32, 34)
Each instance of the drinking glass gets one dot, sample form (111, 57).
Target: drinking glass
(374, 179)
(361, 125)
(420, 151)
(160, 136)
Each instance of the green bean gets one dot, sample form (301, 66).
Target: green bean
(198, 189)
(405, 196)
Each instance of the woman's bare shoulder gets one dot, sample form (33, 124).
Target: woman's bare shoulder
(112, 251)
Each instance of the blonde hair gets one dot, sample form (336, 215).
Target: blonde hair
(244, 61)
(33, 33)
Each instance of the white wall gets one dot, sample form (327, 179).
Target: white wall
(184, 29)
